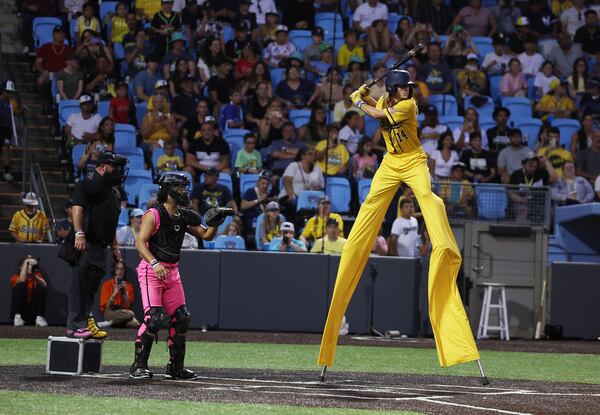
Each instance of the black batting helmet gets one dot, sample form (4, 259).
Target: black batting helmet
(167, 185)
(396, 78)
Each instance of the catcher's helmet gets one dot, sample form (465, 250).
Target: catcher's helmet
(168, 184)
(396, 78)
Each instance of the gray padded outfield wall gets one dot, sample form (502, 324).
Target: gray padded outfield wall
(239, 290)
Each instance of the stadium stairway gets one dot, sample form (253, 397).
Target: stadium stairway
(41, 143)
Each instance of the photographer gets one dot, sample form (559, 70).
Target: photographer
(116, 298)
(28, 300)
(287, 242)
(89, 160)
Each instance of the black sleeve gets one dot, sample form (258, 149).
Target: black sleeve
(156, 22)
(515, 177)
(81, 195)
(544, 176)
(464, 158)
(194, 218)
(226, 196)
(223, 147)
(177, 23)
(491, 160)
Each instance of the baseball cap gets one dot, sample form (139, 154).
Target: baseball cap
(8, 86)
(136, 213)
(529, 156)
(30, 199)
(472, 56)
(431, 109)
(272, 205)
(318, 31)
(325, 199)
(523, 21)
(211, 171)
(281, 28)
(459, 165)
(498, 39)
(177, 36)
(287, 226)
(324, 46)
(58, 28)
(296, 56)
(554, 84)
(266, 174)
(161, 83)
(84, 99)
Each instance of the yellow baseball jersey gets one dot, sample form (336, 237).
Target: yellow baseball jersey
(29, 229)
(399, 129)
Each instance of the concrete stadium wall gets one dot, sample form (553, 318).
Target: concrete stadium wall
(239, 290)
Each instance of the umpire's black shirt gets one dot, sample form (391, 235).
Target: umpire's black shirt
(102, 205)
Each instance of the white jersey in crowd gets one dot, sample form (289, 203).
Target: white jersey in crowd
(531, 64)
(407, 231)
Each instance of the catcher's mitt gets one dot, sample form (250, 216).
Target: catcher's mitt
(216, 216)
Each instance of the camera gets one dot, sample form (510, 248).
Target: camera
(35, 268)
(100, 147)
(286, 239)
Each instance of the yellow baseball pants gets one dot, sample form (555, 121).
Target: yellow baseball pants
(453, 336)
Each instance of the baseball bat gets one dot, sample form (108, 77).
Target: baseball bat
(401, 62)
(538, 326)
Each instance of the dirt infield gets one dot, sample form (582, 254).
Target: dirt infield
(543, 346)
(427, 394)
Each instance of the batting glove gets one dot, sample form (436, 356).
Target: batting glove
(364, 90)
(356, 98)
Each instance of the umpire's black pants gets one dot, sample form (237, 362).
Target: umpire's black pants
(85, 281)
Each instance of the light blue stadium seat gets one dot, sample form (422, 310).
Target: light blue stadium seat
(134, 182)
(141, 108)
(225, 180)
(43, 28)
(299, 112)
(76, 152)
(299, 32)
(230, 242)
(135, 158)
(376, 57)
(495, 87)
(300, 120)
(531, 89)
(236, 143)
(223, 226)
(329, 21)
(107, 7)
(486, 123)
(567, 127)
(125, 138)
(119, 51)
(446, 104)
(452, 121)
(123, 217)
(530, 127)
(67, 107)
(228, 33)
(483, 50)
(147, 192)
(159, 151)
(301, 42)
(392, 22)
(485, 110)
(247, 181)
(104, 108)
(371, 125)
(519, 107)
(364, 185)
(277, 75)
(338, 190)
(308, 200)
(491, 202)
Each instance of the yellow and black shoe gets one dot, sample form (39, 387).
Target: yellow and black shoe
(96, 332)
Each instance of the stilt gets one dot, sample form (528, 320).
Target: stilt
(322, 377)
(484, 378)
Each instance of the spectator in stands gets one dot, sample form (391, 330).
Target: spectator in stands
(510, 157)
(577, 81)
(477, 20)
(350, 50)
(379, 69)
(210, 193)
(256, 106)
(532, 174)
(559, 6)
(169, 161)
(6, 126)
(116, 299)
(458, 48)
(588, 35)
(456, 192)
(542, 20)
(28, 297)
(544, 78)
(421, 33)
(315, 226)
(444, 157)
(257, 200)
(571, 189)
(573, 18)
(271, 125)
(126, 235)
(556, 103)
(498, 136)
(364, 161)
(356, 75)
(176, 53)
(331, 155)
(183, 88)
(331, 87)
(191, 16)
(210, 56)
(69, 80)
(118, 26)
(133, 27)
(120, 106)
(270, 226)
(138, 51)
(295, 91)
(260, 8)
(496, 62)
(208, 25)
(192, 125)
(86, 166)
(248, 159)
(302, 174)
(63, 227)
(405, 240)
(552, 151)
(51, 57)
(30, 10)
(311, 52)
(564, 55)
(588, 160)
(232, 115)
(343, 106)
(145, 80)
(513, 82)
(260, 73)
(332, 242)
(462, 134)
(231, 230)
(82, 126)
(437, 13)
(164, 24)
(435, 73)
(431, 129)
(250, 56)
(471, 79)
(87, 21)
(590, 102)
(287, 242)
(316, 129)
(480, 164)
(29, 224)
(146, 9)
(265, 33)
(244, 15)
(235, 46)
(285, 151)
(276, 52)
(158, 124)
(100, 81)
(582, 139)
(349, 134)
(106, 133)
(206, 151)
(220, 85)
(516, 38)
(531, 60)
(371, 18)
(90, 50)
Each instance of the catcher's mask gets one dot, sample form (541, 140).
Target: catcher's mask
(175, 185)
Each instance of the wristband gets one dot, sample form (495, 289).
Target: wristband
(80, 234)
(359, 103)
(203, 226)
(154, 262)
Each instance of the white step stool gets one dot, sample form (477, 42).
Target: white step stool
(487, 305)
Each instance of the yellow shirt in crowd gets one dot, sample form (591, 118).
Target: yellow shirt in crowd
(316, 225)
(331, 247)
(337, 157)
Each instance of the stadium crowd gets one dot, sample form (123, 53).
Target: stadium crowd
(250, 99)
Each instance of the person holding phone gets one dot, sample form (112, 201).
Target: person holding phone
(28, 299)
(116, 299)
(89, 160)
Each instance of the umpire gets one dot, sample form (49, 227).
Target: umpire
(96, 208)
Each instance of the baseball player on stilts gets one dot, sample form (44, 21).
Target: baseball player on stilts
(159, 244)
(406, 162)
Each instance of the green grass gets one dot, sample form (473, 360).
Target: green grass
(29, 402)
(552, 367)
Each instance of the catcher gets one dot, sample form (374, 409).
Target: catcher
(159, 243)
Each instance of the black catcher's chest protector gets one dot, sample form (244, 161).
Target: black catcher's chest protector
(165, 244)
